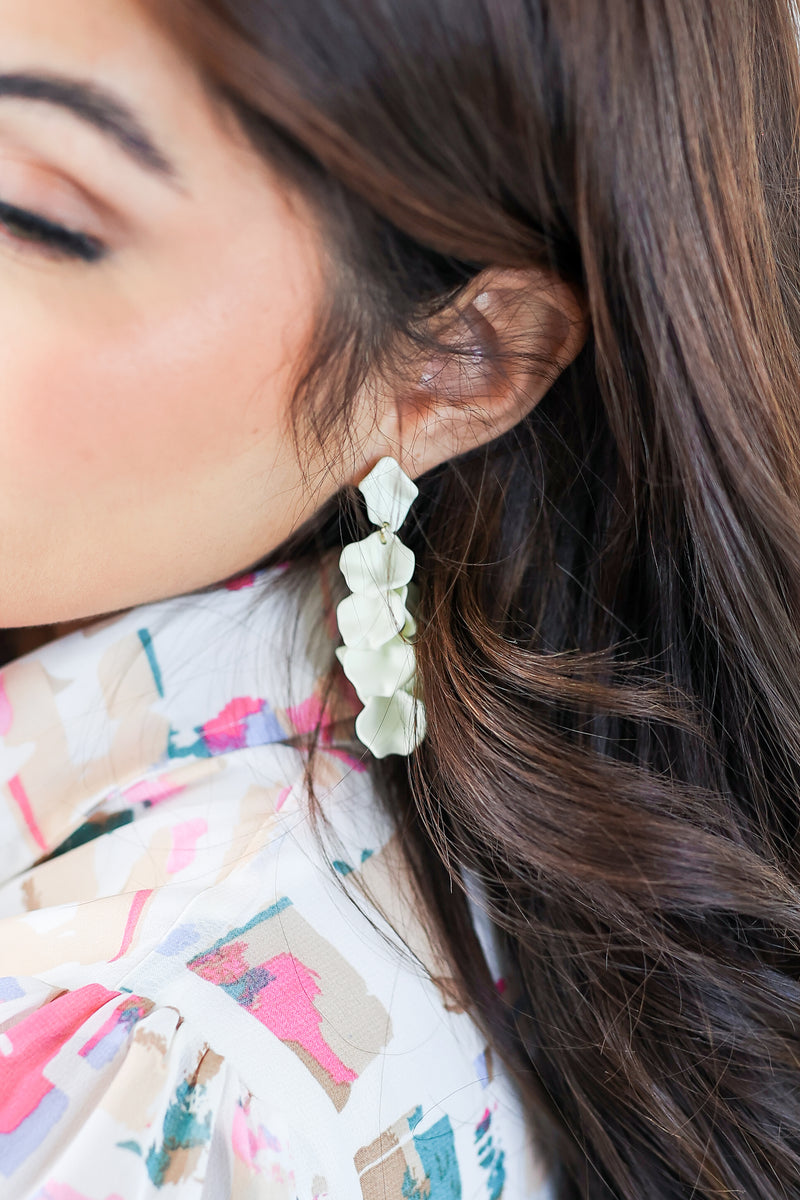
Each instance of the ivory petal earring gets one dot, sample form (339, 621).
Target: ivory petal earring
(376, 625)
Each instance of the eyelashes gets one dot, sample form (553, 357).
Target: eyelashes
(53, 240)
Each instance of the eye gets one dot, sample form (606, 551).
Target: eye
(52, 240)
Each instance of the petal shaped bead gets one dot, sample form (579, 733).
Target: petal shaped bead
(379, 672)
(389, 493)
(366, 622)
(409, 630)
(391, 724)
(373, 564)
(376, 620)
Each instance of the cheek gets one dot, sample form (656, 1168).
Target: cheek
(144, 448)
(84, 406)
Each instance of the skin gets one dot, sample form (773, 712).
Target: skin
(144, 443)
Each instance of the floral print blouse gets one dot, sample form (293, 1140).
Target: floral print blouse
(191, 1002)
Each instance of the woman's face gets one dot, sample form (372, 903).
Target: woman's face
(144, 387)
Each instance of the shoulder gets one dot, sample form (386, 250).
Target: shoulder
(273, 1035)
(201, 991)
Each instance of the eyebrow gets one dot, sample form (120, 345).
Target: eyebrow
(98, 107)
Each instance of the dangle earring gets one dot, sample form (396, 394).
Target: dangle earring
(376, 625)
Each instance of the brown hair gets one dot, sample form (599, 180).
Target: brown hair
(610, 612)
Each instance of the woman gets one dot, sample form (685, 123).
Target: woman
(534, 929)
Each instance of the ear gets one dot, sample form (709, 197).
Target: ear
(511, 335)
